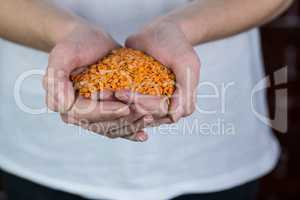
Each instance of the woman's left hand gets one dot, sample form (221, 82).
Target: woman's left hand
(164, 40)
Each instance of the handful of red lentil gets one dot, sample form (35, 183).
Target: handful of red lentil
(126, 68)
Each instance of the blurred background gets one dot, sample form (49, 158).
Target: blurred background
(281, 47)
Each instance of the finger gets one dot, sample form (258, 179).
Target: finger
(133, 116)
(69, 119)
(110, 125)
(64, 58)
(73, 56)
(182, 103)
(176, 109)
(137, 41)
(104, 129)
(140, 136)
(161, 121)
(145, 104)
(162, 41)
(100, 127)
(95, 111)
(103, 96)
(60, 94)
(184, 99)
(133, 128)
(77, 71)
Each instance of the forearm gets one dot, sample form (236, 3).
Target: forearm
(204, 21)
(35, 23)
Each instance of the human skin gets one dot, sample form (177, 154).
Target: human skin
(42, 25)
(170, 39)
(83, 46)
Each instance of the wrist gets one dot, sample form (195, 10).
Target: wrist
(56, 31)
(188, 26)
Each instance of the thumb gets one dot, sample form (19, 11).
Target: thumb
(60, 94)
(145, 104)
(139, 41)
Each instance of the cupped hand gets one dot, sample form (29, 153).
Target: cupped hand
(164, 40)
(107, 116)
(85, 45)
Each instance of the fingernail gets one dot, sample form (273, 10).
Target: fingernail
(142, 137)
(61, 103)
(132, 107)
(105, 95)
(64, 103)
(173, 118)
(176, 114)
(94, 96)
(123, 95)
(124, 110)
(148, 118)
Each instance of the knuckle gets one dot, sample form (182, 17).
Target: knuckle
(188, 113)
(186, 56)
(69, 120)
(128, 130)
(133, 41)
(68, 53)
(53, 108)
(130, 41)
(130, 138)
(51, 105)
(111, 135)
(64, 119)
(143, 40)
(175, 119)
(91, 127)
(190, 110)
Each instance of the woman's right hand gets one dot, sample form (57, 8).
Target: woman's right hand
(82, 46)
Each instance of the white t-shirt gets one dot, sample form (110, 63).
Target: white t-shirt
(220, 146)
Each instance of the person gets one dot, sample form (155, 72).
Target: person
(212, 148)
